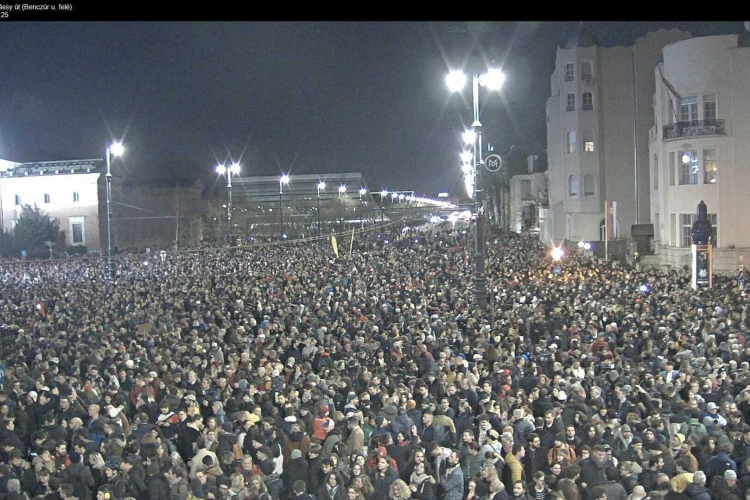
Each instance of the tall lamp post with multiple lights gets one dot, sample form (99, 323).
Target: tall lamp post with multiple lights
(492, 80)
(321, 187)
(342, 190)
(283, 181)
(233, 170)
(362, 192)
(116, 149)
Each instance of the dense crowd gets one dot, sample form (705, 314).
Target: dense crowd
(285, 373)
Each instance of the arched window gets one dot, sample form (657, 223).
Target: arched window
(588, 101)
(572, 185)
(589, 185)
(570, 102)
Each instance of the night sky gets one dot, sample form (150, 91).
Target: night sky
(300, 97)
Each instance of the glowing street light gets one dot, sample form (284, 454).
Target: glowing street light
(466, 156)
(469, 137)
(115, 149)
(557, 254)
(321, 187)
(234, 169)
(456, 80)
(283, 181)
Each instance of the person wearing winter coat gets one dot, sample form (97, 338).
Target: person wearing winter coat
(178, 484)
(697, 489)
(333, 488)
(593, 469)
(80, 477)
(726, 487)
(296, 470)
(452, 479)
(615, 490)
(421, 484)
(383, 478)
(158, 487)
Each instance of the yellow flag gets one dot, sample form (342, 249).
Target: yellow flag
(335, 245)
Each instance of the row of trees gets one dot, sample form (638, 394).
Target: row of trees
(35, 233)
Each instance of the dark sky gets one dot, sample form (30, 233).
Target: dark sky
(310, 97)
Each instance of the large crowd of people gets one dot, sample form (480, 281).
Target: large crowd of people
(282, 372)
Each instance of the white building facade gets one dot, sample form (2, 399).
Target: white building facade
(699, 147)
(528, 194)
(67, 190)
(598, 122)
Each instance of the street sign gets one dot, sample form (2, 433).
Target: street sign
(493, 163)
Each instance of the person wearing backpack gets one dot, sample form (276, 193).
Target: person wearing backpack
(694, 427)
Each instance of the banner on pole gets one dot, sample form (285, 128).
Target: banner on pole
(335, 245)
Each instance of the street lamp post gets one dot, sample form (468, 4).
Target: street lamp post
(342, 190)
(233, 170)
(116, 149)
(283, 180)
(321, 187)
(493, 80)
(362, 192)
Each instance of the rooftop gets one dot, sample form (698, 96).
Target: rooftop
(15, 169)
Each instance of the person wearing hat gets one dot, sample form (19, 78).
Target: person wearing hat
(296, 470)
(712, 418)
(726, 486)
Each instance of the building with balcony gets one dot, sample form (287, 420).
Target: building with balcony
(598, 121)
(699, 147)
(71, 191)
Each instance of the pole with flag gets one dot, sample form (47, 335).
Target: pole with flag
(335, 245)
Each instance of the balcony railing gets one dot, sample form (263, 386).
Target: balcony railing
(694, 128)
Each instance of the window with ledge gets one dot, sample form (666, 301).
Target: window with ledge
(572, 148)
(46, 198)
(588, 141)
(570, 72)
(570, 102)
(589, 185)
(76, 198)
(688, 167)
(18, 200)
(588, 101)
(573, 186)
(710, 167)
(709, 108)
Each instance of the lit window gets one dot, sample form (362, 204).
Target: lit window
(688, 167)
(570, 103)
(588, 141)
(588, 101)
(710, 167)
(589, 182)
(75, 197)
(46, 198)
(570, 72)
(572, 142)
(573, 185)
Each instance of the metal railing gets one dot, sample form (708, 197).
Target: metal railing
(694, 128)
